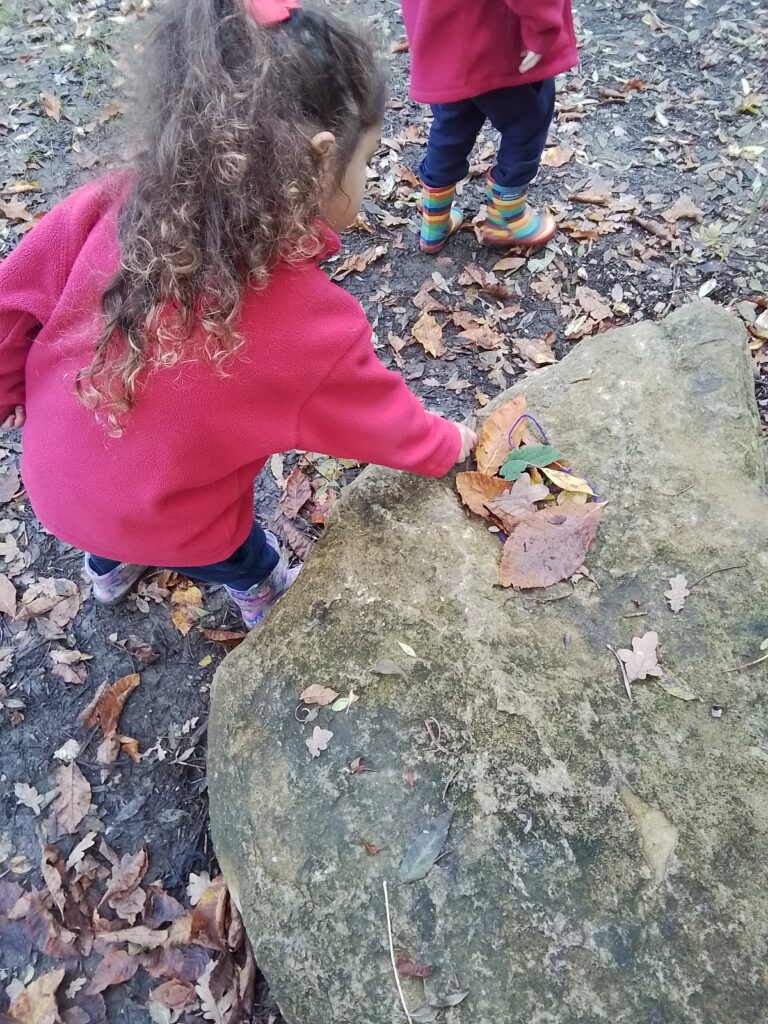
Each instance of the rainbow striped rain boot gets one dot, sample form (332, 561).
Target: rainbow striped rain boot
(510, 221)
(439, 217)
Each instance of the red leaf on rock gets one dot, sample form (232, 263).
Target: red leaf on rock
(549, 545)
(411, 969)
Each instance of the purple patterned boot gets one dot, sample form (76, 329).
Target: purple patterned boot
(256, 602)
(112, 587)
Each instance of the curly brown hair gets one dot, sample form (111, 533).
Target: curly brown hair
(227, 182)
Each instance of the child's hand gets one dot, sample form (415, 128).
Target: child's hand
(16, 419)
(529, 61)
(468, 442)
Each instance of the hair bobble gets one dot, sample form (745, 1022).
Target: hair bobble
(271, 12)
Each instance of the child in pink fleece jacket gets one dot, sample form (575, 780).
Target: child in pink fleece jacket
(479, 60)
(163, 331)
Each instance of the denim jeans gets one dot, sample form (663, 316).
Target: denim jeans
(249, 565)
(522, 114)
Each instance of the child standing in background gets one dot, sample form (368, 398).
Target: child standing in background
(495, 60)
(164, 330)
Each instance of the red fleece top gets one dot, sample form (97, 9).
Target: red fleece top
(463, 48)
(177, 487)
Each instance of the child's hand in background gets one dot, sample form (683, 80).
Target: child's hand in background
(468, 442)
(529, 61)
(16, 419)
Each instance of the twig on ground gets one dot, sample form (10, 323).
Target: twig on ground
(435, 738)
(748, 664)
(725, 568)
(392, 955)
(449, 783)
(624, 676)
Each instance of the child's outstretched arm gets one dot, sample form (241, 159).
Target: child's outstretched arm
(365, 412)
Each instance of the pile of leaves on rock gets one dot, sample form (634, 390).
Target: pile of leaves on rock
(547, 516)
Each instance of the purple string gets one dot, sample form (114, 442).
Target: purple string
(544, 439)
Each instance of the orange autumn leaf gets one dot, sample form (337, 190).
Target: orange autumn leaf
(106, 707)
(476, 489)
(187, 605)
(494, 440)
(549, 545)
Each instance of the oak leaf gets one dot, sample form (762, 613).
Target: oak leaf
(683, 208)
(642, 660)
(549, 545)
(429, 334)
(677, 593)
(318, 741)
(494, 442)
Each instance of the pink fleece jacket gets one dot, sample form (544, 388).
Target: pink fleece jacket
(177, 487)
(463, 48)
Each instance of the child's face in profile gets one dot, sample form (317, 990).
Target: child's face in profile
(344, 199)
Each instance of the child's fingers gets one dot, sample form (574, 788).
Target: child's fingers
(529, 62)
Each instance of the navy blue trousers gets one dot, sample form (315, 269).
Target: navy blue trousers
(250, 564)
(522, 114)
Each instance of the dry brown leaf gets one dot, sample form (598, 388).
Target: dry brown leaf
(297, 491)
(642, 660)
(147, 938)
(549, 545)
(322, 507)
(216, 989)
(15, 210)
(298, 542)
(226, 637)
(476, 489)
(483, 337)
(73, 798)
(51, 106)
(593, 303)
(68, 665)
(317, 694)
(677, 593)
(53, 870)
(37, 1003)
(108, 703)
(509, 264)
(683, 208)
(123, 893)
(110, 110)
(28, 796)
(536, 350)
(59, 599)
(429, 334)
(208, 926)
(187, 608)
(358, 262)
(557, 156)
(494, 441)
(7, 596)
(175, 994)
(116, 968)
(520, 498)
(9, 484)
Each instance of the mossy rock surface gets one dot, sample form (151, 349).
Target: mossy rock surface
(606, 859)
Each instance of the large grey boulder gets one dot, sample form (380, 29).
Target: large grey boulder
(606, 859)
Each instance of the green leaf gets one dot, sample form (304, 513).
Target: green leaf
(425, 849)
(519, 459)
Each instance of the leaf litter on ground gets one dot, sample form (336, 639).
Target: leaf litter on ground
(421, 855)
(550, 516)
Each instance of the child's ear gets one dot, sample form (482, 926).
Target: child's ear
(325, 144)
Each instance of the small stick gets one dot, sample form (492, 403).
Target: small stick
(748, 664)
(392, 956)
(725, 568)
(624, 677)
(634, 615)
(449, 783)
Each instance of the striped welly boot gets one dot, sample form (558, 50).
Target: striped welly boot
(510, 221)
(439, 217)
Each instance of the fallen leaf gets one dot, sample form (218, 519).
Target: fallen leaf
(522, 497)
(59, 599)
(429, 334)
(208, 925)
(139, 649)
(16, 211)
(677, 593)
(37, 1003)
(387, 667)
(593, 303)
(147, 938)
(372, 849)
(483, 337)
(424, 1014)
(78, 852)
(509, 264)
(52, 869)
(683, 208)
(218, 994)
(14, 188)
(297, 491)
(298, 542)
(115, 968)
(549, 545)
(108, 703)
(495, 442)
(410, 777)
(110, 110)
(519, 459)
(67, 751)
(356, 766)
(344, 703)
(187, 608)
(196, 886)
(62, 662)
(51, 106)
(451, 1000)
(123, 894)
(425, 849)
(557, 156)
(73, 798)
(322, 507)
(175, 994)
(680, 690)
(358, 262)
(317, 694)
(538, 351)
(227, 637)
(407, 649)
(567, 481)
(7, 596)
(477, 489)
(642, 660)
(318, 741)
(28, 796)
(410, 969)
